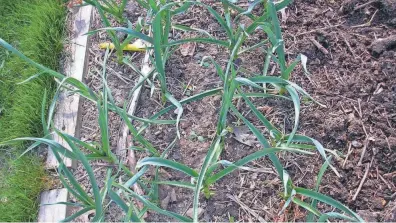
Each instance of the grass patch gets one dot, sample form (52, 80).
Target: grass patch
(22, 180)
(36, 28)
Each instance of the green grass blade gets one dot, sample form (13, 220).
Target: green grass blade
(77, 195)
(77, 214)
(175, 183)
(198, 40)
(296, 101)
(157, 161)
(167, 27)
(263, 141)
(131, 32)
(310, 217)
(278, 33)
(136, 177)
(103, 111)
(76, 185)
(221, 21)
(181, 9)
(179, 111)
(260, 116)
(219, 70)
(260, 95)
(8, 47)
(31, 78)
(327, 200)
(325, 216)
(53, 145)
(65, 203)
(248, 82)
(255, 46)
(251, 7)
(91, 175)
(158, 53)
(215, 146)
(147, 145)
(306, 206)
(117, 199)
(319, 147)
(291, 67)
(282, 4)
(153, 206)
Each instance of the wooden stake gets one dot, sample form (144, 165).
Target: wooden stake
(53, 213)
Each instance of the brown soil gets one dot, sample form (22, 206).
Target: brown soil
(354, 80)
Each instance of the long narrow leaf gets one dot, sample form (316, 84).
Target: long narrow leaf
(310, 217)
(327, 200)
(157, 161)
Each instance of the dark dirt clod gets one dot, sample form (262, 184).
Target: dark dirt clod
(381, 45)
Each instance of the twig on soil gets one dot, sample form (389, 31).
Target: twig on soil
(366, 140)
(245, 207)
(350, 150)
(320, 29)
(361, 182)
(349, 46)
(386, 182)
(367, 23)
(363, 151)
(390, 174)
(319, 46)
(364, 5)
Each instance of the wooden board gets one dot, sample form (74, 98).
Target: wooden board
(66, 118)
(53, 213)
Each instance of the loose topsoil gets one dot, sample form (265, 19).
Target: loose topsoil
(352, 72)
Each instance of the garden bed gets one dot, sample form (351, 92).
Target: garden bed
(355, 87)
(351, 74)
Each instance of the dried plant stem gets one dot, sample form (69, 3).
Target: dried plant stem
(362, 181)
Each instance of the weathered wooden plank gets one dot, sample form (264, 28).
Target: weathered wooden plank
(67, 115)
(53, 213)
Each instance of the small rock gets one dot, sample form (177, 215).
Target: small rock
(173, 196)
(189, 213)
(379, 203)
(201, 139)
(316, 61)
(165, 202)
(198, 56)
(357, 144)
